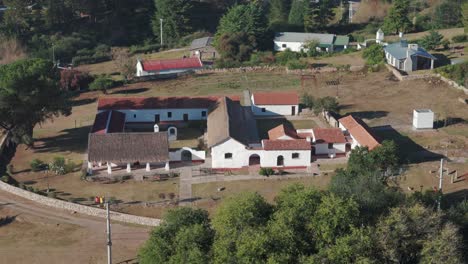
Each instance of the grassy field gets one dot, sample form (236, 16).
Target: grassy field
(375, 97)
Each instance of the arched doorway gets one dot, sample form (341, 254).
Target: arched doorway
(280, 161)
(254, 159)
(186, 155)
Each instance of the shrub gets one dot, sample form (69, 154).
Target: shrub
(73, 80)
(145, 48)
(6, 178)
(96, 58)
(226, 64)
(266, 171)
(284, 57)
(460, 38)
(37, 165)
(58, 166)
(374, 55)
(297, 65)
(102, 83)
(70, 167)
(457, 72)
(432, 40)
(262, 57)
(307, 100)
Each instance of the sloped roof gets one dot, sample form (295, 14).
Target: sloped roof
(229, 119)
(128, 147)
(201, 43)
(171, 64)
(280, 131)
(109, 122)
(360, 131)
(341, 41)
(296, 144)
(329, 135)
(304, 37)
(400, 50)
(123, 103)
(275, 98)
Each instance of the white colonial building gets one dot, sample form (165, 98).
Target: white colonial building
(278, 103)
(357, 132)
(297, 41)
(167, 67)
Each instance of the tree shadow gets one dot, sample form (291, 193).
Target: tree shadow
(73, 140)
(408, 150)
(29, 182)
(369, 114)
(450, 121)
(442, 60)
(7, 220)
(84, 101)
(130, 91)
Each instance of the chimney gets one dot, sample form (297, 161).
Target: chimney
(156, 128)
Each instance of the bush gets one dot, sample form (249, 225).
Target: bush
(145, 49)
(285, 56)
(432, 40)
(37, 165)
(6, 178)
(58, 166)
(73, 80)
(70, 167)
(262, 57)
(226, 64)
(297, 65)
(460, 38)
(79, 60)
(374, 55)
(457, 72)
(102, 83)
(266, 171)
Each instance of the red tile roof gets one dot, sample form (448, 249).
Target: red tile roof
(172, 64)
(103, 125)
(329, 135)
(360, 131)
(122, 103)
(296, 144)
(265, 98)
(280, 131)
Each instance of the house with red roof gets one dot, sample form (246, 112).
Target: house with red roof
(358, 133)
(167, 67)
(329, 141)
(275, 103)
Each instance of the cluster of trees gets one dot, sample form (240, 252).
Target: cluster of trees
(360, 219)
(318, 105)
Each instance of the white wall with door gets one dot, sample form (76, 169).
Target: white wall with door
(273, 110)
(149, 115)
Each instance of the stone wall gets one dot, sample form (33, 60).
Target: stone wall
(83, 209)
(453, 83)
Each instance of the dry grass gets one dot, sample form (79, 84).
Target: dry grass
(448, 33)
(10, 51)
(353, 59)
(371, 9)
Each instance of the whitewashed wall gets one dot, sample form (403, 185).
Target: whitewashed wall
(293, 46)
(322, 149)
(240, 155)
(272, 110)
(147, 115)
(197, 155)
(269, 158)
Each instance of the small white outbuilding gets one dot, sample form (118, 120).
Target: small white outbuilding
(423, 119)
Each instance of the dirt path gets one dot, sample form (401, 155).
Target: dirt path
(59, 235)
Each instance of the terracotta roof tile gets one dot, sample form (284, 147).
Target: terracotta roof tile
(100, 123)
(360, 131)
(122, 103)
(276, 98)
(172, 64)
(329, 135)
(280, 131)
(103, 125)
(296, 144)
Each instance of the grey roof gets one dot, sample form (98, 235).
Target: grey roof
(398, 50)
(201, 43)
(304, 37)
(231, 120)
(128, 147)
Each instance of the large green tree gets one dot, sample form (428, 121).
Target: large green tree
(17, 18)
(176, 19)
(297, 12)
(465, 16)
(279, 11)
(318, 15)
(29, 95)
(185, 236)
(444, 247)
(397, 20)
(432, 40)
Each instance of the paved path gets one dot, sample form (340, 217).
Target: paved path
(185, 186)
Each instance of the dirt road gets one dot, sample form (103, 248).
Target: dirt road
(32, 233)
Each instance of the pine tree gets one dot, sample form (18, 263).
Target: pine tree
(397, 19)
(279, 11)
(176, 19)
(465, 16)
(297, 12)
(318, 15)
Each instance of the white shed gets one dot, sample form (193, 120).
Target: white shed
(423, 119)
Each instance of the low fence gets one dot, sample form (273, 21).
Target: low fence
(83, 209)
(267, 69)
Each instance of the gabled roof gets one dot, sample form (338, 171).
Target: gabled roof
(128, 147)
(341, 41)
(328, 135)
(171, 64)
(228, 120)
(296, 144)
(201, 43)
(108, 122)
(275, 98)
(280, 131)
(304, 37)
(401, 49)
(360, 131)
(134, 103)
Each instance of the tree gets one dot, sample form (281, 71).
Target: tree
(444, 247)
(125, 62)
(432, 40)
(397, 20)
(236, 46)
(17, 18)
(185, 236)
(327, 103)
(447, 14)
(297, 12)
(73, 80)
(318, 14)
(374, 55)
(248, 19)
(176, 19)
(308, 100)
(102, 84)
(235, 216)
(279, 11)
(30, 95)
(58, 14)
(465, 16)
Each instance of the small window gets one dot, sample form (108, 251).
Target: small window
(330, 145)
(263, 110)
(203, 113)
(228, 155)
(284, 46)
(134, 116)
(295, 155)
(169, 114)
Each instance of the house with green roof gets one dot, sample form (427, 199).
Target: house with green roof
(296, 41)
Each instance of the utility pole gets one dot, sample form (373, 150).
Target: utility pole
(441, 176)
(161, 25)
(109, 242)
